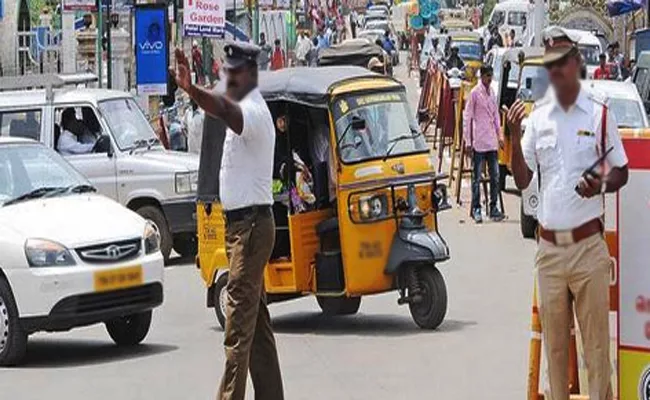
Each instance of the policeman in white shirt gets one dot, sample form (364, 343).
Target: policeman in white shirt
(566, 134)
(71, 133)
(246, 197)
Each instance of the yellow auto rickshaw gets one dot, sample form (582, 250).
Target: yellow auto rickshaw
(470, 50)
(356, 206)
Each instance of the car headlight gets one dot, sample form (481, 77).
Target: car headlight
(151, 238)
(186, 182)
(373, 207)
(46, 253)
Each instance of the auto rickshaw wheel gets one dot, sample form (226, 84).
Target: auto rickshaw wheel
(339, 305)
(220, 296)
(430, 311)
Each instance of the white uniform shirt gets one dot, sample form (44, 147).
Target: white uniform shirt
(564, 144)
(247, 163)
(68, 144)
(194, 124)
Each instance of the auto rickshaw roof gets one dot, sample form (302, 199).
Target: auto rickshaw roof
(311, 86)
(512, 55)
(351, 52)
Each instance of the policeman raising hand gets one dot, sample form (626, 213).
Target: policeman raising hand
(566, 135)
(246, 198)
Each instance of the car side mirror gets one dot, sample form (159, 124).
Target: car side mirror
(103, 145)
(358, 124)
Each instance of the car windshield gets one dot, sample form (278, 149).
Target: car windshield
(534, 82)
(377, 25)
(468, 50)
(390, 128)
(33, 168)
(372, 36)
(628, 113)
(589, 53)
(127, 122)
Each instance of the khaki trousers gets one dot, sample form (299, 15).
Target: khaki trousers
(248, 338)
(579, 272)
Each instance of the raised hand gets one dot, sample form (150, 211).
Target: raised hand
(515, 115)
(182, 74)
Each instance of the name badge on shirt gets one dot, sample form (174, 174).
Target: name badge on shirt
(583, 133)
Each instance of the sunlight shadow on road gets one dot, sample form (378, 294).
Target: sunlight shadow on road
(55, 353)
(358, 325)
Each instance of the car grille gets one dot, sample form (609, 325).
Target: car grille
(137, 297)
(111, 252)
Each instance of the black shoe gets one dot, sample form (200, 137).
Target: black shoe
(497, 216)
(476, 216)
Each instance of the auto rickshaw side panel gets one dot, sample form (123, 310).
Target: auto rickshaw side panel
(211, 230)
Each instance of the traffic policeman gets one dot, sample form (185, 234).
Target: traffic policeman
(246, 197)
(565, 135)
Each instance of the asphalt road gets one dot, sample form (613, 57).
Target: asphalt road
(480, 351)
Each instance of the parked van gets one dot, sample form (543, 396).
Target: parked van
(511, 14)
(127, 162)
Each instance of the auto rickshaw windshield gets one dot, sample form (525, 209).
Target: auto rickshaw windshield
(390, 130)
(469, 50)
(534, 82)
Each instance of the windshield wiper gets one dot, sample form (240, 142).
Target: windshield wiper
(152, 142)
(393, 142)
(83, 188)
(34, 194)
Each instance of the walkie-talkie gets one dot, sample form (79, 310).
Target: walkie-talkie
(591, 170)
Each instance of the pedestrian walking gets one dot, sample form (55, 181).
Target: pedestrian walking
(278, 57)
(312, 56)
(565, 134)
(603, 71)
(246, 198)
(193, 121)
(303, 46)
(483, 138)
(264, 57)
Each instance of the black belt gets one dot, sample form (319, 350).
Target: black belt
(243, 213)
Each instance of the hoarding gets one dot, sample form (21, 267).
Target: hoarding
(151, 49)
(205, 18)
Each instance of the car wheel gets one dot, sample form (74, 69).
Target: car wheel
(339, 305)
(186, 245)
(129, 330)
(431, 310)
(13, 339)
(156, 217)
(527, 223)
(221, 295)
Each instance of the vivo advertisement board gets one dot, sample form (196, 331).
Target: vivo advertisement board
(206, 18)
(151, 49)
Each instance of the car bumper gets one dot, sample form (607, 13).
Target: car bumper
(91, 308)
(39, 292)
(181, 214)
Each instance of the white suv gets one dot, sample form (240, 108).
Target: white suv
(127, 164)
(69, 257)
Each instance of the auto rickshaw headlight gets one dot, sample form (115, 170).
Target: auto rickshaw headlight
(46, 253)
(373, 207)
(186, 182)
(151, 238)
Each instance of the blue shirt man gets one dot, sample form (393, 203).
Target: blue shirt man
(387, 44)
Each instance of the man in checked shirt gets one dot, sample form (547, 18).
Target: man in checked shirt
(483, 137)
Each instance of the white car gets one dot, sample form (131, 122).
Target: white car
(69, 257)
(624, 102)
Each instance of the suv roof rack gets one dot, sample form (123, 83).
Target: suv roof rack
(46, 81)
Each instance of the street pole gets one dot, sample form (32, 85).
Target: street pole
(256, 22)
(98, 49)
(109, 52)
(538, 22)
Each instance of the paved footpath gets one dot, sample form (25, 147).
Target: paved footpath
(480, 351)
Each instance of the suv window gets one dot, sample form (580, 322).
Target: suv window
(498, 18)
(23, 123)
(642, 81)
(517, 18)
(85, 127)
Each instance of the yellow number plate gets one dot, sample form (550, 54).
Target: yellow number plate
(118, 278)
